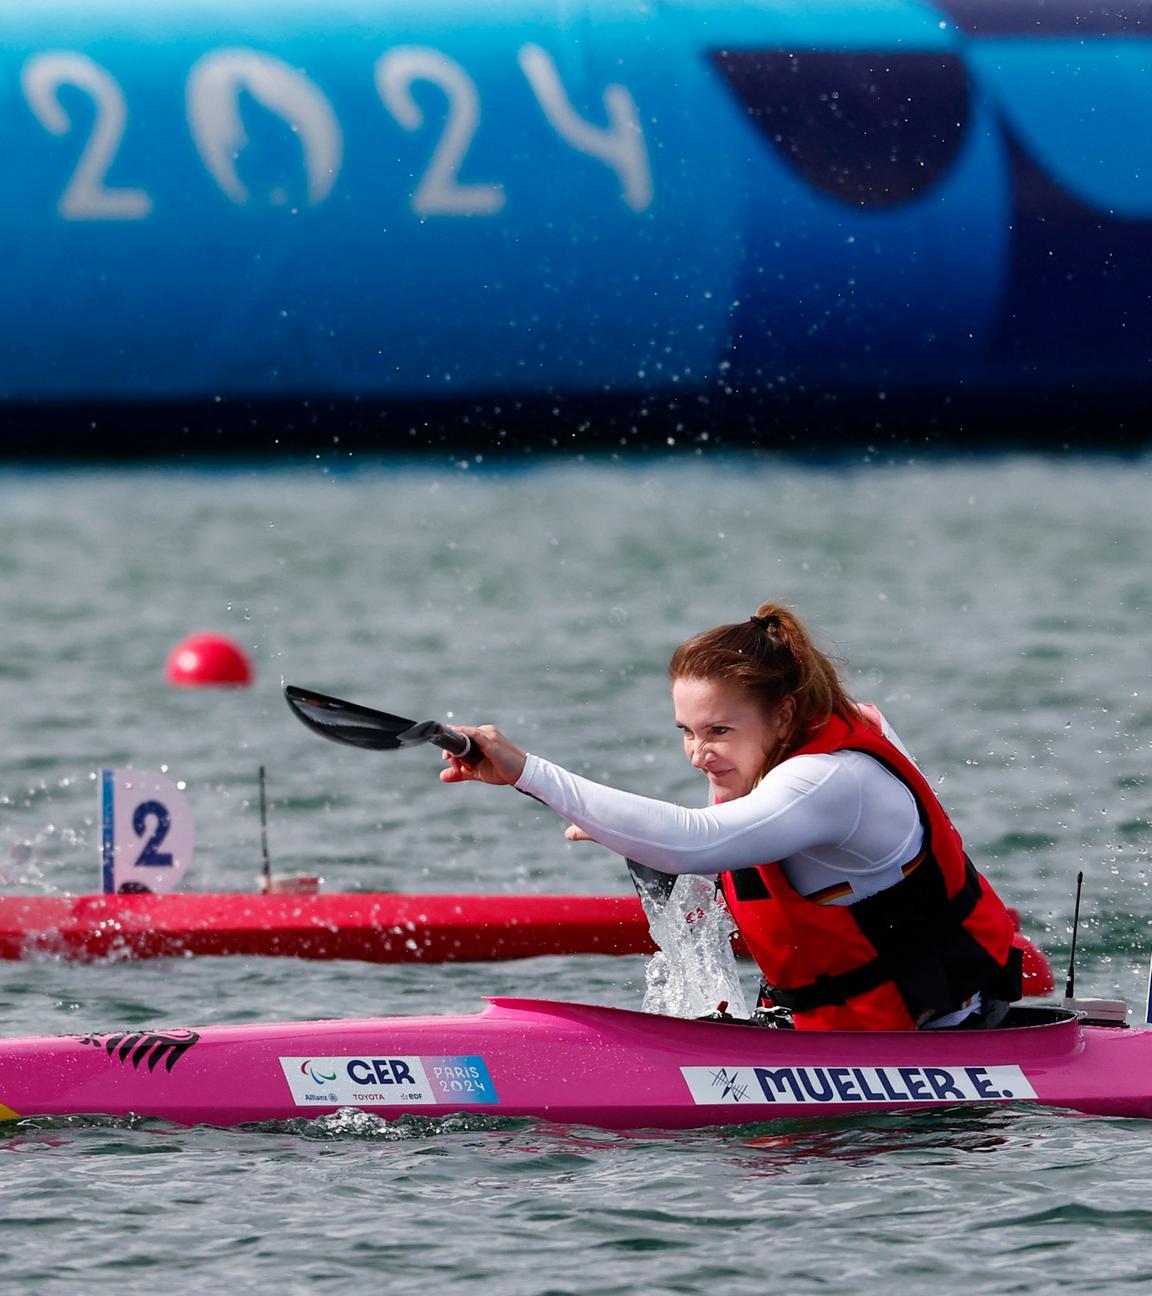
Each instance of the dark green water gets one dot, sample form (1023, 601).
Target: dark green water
(999, 611)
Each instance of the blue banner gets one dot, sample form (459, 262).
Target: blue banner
(440, 199)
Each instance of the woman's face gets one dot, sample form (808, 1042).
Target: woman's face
(727, 733)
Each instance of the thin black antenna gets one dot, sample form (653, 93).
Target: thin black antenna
(264, 838)
(1070, 987)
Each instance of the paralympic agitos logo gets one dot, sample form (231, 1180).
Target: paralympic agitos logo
(315, 1074)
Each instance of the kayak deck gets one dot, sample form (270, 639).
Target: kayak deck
(575, 1063)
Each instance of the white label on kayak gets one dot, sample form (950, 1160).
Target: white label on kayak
(837, 1085)
(388, 1081)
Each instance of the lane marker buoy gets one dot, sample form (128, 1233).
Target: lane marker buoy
(208, 660)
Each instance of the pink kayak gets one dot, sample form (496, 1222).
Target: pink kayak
(574, 1063)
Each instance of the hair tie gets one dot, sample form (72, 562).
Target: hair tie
(768, 623)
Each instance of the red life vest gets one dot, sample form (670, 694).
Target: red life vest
(891, 960)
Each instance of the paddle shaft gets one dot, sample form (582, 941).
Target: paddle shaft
(453, 742)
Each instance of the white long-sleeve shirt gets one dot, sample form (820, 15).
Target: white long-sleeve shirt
(837, 819)
(832, 819)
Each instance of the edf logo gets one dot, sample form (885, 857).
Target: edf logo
(366, 1071)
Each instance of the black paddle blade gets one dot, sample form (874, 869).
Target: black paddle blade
(361, 726)
(651, 882)
(347, 722)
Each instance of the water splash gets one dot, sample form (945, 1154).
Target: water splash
(355, 1124)
(695, 968)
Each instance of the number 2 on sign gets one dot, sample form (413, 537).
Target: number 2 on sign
(146, 830)
(151, 856)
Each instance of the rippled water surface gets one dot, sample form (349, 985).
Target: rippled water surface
(997, 609)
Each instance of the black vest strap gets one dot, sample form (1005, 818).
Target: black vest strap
(749, 884)
(826, 990)
(914, 927)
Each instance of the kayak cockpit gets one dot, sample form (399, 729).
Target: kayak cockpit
(1020, 1017)
(1024, 1016)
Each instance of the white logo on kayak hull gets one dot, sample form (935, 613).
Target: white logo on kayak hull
(844, 1085)
(458, 1080)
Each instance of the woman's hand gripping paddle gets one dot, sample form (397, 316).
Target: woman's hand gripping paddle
(361, 726)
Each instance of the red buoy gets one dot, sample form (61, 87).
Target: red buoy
(207, 660)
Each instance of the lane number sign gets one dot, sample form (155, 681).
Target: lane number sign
(147, 832)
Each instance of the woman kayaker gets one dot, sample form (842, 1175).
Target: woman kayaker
(843, 872)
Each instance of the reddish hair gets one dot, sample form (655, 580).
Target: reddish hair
(772, 657)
